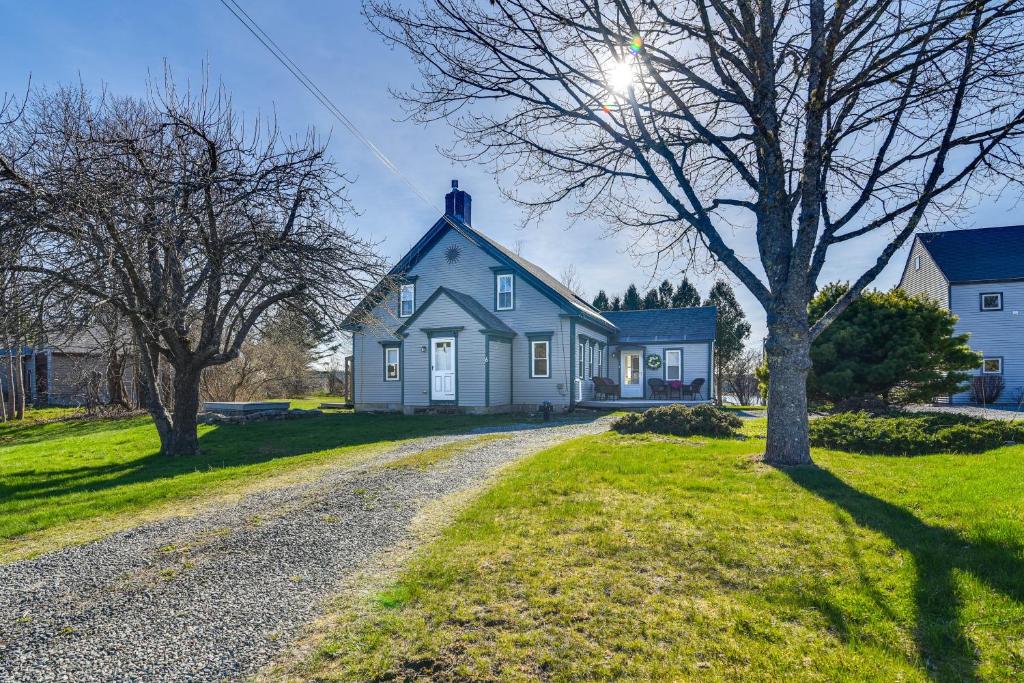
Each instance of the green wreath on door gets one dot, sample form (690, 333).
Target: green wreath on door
(653, 361)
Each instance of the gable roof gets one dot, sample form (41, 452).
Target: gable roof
(665, 324)
(532, 273)
(981, 255)
(491, 323)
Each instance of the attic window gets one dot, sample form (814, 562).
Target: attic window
(407, 302)
(992, 301)
(917, 263)
(504, 294)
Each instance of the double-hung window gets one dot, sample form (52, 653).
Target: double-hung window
(992, 301)
(407, 300)
(673, 364)
(540, 358)
(580, 348)
(504, 292)
(392, 360)
(599, 360)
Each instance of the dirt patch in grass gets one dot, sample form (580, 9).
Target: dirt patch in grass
(432, 456)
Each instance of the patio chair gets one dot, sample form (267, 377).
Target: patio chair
(606, 387)
(693, 389)
(658, 387)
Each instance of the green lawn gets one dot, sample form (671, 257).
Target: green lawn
(71, 481)
(657, 558)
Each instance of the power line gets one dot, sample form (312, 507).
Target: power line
(281, 56)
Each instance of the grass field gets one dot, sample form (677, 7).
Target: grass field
(71, 481)
(656, 558)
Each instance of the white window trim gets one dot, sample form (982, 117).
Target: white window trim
(679, 365)
(412, 287)
(581, 350)
(511, 292)
(600, 362)
(533, 358)
(989, 308)
(917, 262)
(992, 372)
(397, 364)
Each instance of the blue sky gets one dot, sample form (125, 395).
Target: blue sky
(120, 44)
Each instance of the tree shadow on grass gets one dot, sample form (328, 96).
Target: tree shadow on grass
(938, 552)
(223, 447)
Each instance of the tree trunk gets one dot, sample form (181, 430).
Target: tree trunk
(19, 387)
(184, 439)
(789, 361)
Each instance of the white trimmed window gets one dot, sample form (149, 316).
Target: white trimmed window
(589, 355)
(992, 366)
(673, 364)
(917, 263)
(599, 359)
(392, 371)
(505, 292)
(407, 300)
(992, 301)
(540, 361)
(580, 350)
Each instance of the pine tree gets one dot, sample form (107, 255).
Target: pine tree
(732, 330)
(632, 301)
(651, 300)
(686, 295)
(616, 304)
(665, 291)
(601, 301)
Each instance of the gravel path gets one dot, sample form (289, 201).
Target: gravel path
(215, 596)
(982, 412)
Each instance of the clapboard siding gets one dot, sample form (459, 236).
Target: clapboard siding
(927, 280)
(471, 274)
(469, 368)
(590, 337)
(994, 333)
(696, 363)
(371, 391)
(500, 368)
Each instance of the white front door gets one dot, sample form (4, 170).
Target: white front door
(442, 369)
(632, 375)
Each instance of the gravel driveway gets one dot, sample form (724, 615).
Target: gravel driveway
(215, 596)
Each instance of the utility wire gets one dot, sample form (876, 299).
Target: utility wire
(281, 56)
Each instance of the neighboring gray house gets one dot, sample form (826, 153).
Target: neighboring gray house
(463, 322)
(979, 276)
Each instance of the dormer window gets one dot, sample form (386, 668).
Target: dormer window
(407, 300)
(992, 301)
(504, 292)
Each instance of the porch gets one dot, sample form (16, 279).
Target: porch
(635, 403)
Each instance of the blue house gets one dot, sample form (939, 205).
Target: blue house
(979, 276)
(462, 322)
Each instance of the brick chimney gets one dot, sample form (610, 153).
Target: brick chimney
(459, 204)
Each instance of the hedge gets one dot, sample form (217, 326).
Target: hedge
(912, 433)
(679, 420)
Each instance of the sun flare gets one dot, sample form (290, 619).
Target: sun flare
(620, 77)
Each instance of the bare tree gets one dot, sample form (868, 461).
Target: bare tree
(186, 221)
(740, 376)
(570, 277)
(818, 124)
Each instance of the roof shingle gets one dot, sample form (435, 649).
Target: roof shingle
(978, 255)
(665, 324)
